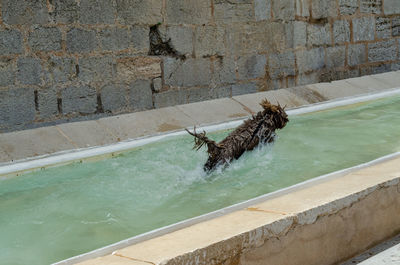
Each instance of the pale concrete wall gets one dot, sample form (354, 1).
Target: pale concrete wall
(70, 59)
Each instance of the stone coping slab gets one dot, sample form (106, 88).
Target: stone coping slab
(365, 204)
(49, 140)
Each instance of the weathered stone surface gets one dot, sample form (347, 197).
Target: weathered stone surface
(310, 60)
(96, 69)
(341, 31)
(59, 70)
(336, 56)
(7, 72)
(303, 8)
(65, 11)
(323, 9)
(348, 7)
(281, 65)
(299, 31)
(383, 28)
(115, 39)
(29, 71)
(140, 95)
(391, 7)
(318, 34)
(10, 42)
(140, 38)
(396, 26)
(79, 99)
(371, 6)
(244, 88)
(45, 39)
(226, 12)
(363, 28)
(188, 11)
(224, 71)
(132, 68)
(130, 12)
(47, 102)
(25, 12)
(157, 85)
(17, 105)
(114, 97)
(284, 10)
(79, 40)
(382, 51)
(96, 12)
(209, 40)
(262, 9)
(252, 66)
(356, 54)
(181, 38)
(187, 73)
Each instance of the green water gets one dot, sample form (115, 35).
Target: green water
(60, 212)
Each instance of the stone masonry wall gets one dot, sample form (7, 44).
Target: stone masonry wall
(77, 59)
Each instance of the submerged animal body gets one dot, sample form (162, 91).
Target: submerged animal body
(260, 128)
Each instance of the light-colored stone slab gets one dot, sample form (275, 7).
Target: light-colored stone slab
(30, 143)
(391, 79)
(113, 260)
(87, 133)
(337, 89)
(130, 126)
(390, 256)
(201, 235)
(368, 84)
(213, 111)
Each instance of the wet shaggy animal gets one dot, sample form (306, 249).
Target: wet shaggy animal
(260, 128)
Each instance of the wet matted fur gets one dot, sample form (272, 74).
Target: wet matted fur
(260, 128)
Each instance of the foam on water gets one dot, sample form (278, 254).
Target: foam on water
(60, 212)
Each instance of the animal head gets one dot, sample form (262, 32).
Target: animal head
(279, 116)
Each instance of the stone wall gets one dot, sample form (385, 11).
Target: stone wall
(76, 59)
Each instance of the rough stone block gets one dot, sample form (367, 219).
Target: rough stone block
(187, 73)
(96, 12)
(306, 79)
(244, 88)
(181, 38)
(115, 39)
(224, 71)
(299, 33)
(140, 38)
(310, 60)
(230, 12)
(220, 92)
(25, 12)
(363, 28)
(251, 66)
(282, 65)
(47, 102)
(376, 69)
(209, 40)
(81, 41)
(59, 70)
(189, 11)
(132, 68)
(131, 12)
(396, 26)
(335, 74)
(318, 34)
(79, 99)
(140, 95)
(348, 7)
(382, 51)
(371, 6)
(65, 11)
(157, 85)
(323, 9)
(114, 97)
(170, 98)
(383, 27)
(356, 54)
(96, 69)
(17, 106)
(341, 31)
(336, 56)
(262, 9)
(303, 8)
(29, 71)
(10, 42)
(284, 10)
(391, 7)
(45, 39)
(7, 72)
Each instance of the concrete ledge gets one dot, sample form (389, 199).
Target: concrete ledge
(322, 224)
(30, 143)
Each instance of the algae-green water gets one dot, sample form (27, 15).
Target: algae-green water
(59, 212)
